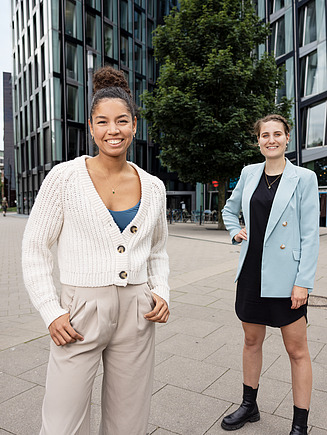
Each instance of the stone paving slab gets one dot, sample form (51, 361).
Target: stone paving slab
(198, 373)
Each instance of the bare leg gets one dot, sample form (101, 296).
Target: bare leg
(252, 353)
(295, 340)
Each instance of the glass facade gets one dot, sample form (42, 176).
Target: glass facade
(298, 40)
(53, 66)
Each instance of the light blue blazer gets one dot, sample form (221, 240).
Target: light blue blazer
(291, 242)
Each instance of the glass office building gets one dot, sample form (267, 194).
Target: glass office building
(57, 44)
(298, 41)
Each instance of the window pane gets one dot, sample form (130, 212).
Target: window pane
(107, 9)
(316, 123)
(124, 50)
(72, 143)
(280, 43)
(151, 66)
(108, 45)
(71, 61)
(70, 19)
(311, 74)
(90, 31)
(151, 7)
(310, 24)
(138, 59)
(138, 91)
(124, 15)
(72, 103)
(313, 77)
(150, 33)
(137, 25)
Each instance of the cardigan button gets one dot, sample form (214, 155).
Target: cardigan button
(282, 246)
(123, 275)
(121, 249)
(133, 229)
(284, 224)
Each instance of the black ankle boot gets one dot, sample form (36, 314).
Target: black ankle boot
(300, 421)
(248, 411)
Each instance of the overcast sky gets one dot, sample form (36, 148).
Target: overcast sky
(5, 53)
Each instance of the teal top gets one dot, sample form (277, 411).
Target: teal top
(124, 217)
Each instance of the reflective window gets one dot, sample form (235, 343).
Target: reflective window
(72, 103)
(312, 22)
(313, 77)
(124, 50)
(281, 39)
(150, 33)
(72, 143)
(70, 18)
(316, 125)
(307, 24)
(151, 66)
(276, 5)
(47, 145)
(90, 31)
(124, 14)
(108, 38)
(41, 21)
(107, 9)
(139, 89)
(138, 59)
(150, 7)
(71, 59)
(137, 25)
(45, 102)
(140, 3)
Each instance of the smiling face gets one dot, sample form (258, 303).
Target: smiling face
(112, 127)
(273, 140)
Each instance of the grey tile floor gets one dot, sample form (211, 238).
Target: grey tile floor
(198, 374)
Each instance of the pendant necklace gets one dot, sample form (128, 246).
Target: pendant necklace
(114, 188)
(270, 184)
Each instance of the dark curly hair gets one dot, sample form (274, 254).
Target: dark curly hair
(110, 83)
(273, 117)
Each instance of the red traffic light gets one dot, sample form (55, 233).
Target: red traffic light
(215, 183)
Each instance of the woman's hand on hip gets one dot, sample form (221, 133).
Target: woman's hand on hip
(299, 297)
(62, 332)
(160, 312)
(242, 235)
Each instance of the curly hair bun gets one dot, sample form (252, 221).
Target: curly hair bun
(107, 77)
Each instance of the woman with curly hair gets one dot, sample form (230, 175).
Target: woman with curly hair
(108, 218)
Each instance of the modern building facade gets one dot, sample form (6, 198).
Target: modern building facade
(298, 41)
(9, 181)
(57, 45)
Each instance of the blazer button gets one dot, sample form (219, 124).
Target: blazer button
(282, 246)
(133, 229)
(123, 275)
(121, 249)
(284, 224)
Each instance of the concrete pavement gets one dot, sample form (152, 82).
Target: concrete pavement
(198, 375)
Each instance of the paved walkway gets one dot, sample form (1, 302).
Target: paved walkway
(198, 374)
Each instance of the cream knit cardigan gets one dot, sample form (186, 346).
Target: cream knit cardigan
(69, 211)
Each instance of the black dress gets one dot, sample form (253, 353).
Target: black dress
(250, 306)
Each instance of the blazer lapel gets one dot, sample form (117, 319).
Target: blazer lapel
(283, 195)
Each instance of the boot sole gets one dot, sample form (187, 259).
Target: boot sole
(252, 419)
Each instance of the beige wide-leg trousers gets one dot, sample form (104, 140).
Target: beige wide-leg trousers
(112, 324)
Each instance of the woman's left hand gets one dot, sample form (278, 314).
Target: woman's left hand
(299, 297)
(160, 312)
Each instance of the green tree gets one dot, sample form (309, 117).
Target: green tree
(211, 89)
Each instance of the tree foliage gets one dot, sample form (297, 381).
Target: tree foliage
(211, 88)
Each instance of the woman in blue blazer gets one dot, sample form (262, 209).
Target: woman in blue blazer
(279, 251)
